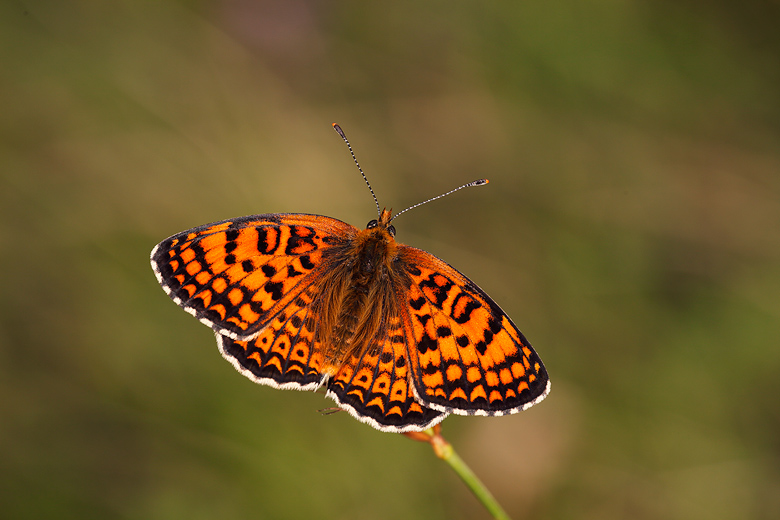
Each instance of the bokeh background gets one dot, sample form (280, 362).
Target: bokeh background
(631, 229)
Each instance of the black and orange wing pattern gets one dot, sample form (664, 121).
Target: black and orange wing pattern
(378, 390)
(263, 284)
(373, 386)
(283, 354)
(237, 275)
(467, 356)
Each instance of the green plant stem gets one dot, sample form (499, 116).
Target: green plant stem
(446, 452)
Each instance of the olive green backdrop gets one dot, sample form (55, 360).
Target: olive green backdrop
(631, 229)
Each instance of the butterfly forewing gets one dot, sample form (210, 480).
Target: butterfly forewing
(236, 275)
(467, 355)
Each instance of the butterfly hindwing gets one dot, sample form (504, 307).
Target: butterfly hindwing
(467, 356)
(374, 387)
(236, 275)
(284, 353)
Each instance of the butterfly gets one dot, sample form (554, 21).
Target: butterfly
(397, 337)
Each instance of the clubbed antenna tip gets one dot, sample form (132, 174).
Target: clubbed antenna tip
(478, 182)
(338, 129)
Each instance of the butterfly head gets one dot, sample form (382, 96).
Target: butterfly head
(383, 223)
(375, 246)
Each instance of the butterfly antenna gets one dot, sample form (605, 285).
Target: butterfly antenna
(338, 129)
(479, 182)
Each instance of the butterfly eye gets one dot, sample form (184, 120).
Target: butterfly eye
(391, 230)
(372, 224)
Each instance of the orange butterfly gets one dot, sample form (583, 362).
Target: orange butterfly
(399, 338)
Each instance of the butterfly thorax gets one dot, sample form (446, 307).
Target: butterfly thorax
(358, 295)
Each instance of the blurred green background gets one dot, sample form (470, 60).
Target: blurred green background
(631, 229)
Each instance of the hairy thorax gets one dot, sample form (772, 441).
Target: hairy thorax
(359, 293)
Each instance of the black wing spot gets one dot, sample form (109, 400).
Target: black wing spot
(306, 262)
(294, 242)
(423, 318)
(413, 270)
(465, 315)
(263, 244)
(274, 289)
(430, 369)
(495, 325)
(417, 303)
(444, 332)
(292, 272)
(427, 343)
(440, 292)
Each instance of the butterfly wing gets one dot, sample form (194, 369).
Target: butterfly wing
(375, 387)
(237, 275)
(284, 353)
(466, 355)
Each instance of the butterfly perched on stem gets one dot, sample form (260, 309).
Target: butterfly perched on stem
(397, 337)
